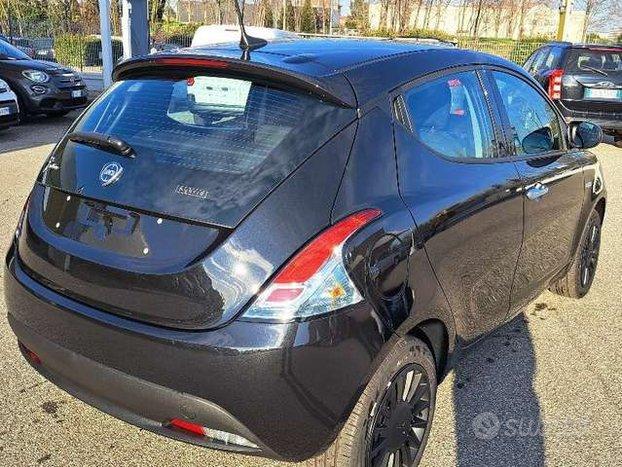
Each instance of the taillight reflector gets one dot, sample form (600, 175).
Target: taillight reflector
(210, 433)
(555, 83)
(309, 260)
(189, 427)
(30, 355)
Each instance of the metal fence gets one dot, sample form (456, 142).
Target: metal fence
(82, 50)
(514, 50)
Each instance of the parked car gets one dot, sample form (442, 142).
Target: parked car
(41, 87)
(23, 45)
(288, 265)
(9, 110)
(230, 33)
(39, 48)
(584, 81)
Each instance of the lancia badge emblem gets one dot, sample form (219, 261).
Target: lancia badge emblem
(110, 173)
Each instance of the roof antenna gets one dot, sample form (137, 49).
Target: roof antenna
(247, 43)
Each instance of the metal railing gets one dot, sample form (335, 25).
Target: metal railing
(83, 51)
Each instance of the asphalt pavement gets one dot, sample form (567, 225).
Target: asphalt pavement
(546, 389)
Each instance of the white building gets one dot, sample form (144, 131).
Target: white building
(541, 20)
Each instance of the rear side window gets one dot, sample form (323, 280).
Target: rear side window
(554, 57)
(206, 147)
(593, 61)
(450, 115)
(539, 60)
(534, 124)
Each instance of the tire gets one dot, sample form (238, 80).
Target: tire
(23, 116)
(579, 277)
(410, 360)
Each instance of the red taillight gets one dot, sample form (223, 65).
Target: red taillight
(188, 427)
(30, 355)
(193, 62)
(315, 280)
(555, 83)
(314, 255)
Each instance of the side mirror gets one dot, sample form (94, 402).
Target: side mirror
(584, 135)
(538, 141)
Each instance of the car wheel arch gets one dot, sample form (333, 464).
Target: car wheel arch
(601, 207)
(435, 335)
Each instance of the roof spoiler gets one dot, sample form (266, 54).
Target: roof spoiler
(225, 66)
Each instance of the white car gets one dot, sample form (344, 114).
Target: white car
(9, 108)
(226, 33)
(213, 91)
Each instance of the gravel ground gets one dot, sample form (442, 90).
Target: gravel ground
(543, 390)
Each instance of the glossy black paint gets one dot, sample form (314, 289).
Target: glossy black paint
(271, 377)
(459, 248)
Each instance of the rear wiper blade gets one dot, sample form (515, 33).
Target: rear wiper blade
(595, 70)
(104, 142)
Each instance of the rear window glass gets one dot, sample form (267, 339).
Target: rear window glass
(588, 60)
(207, 148)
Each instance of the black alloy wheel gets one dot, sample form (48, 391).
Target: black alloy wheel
(400, 420)
(589, 254)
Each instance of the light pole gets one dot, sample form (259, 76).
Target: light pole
(564, 11)
(106, 40)
(135, 28)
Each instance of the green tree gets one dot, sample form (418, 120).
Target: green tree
(307, 17)
(359, 14)
(290, 20)
(156, 13)
(268, 20)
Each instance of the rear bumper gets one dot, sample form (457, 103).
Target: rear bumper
(13, 117)
(128, 398)
(608, 122)
(287, 388)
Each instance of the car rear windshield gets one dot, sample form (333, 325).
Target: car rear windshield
(596, 61)
(207, 148)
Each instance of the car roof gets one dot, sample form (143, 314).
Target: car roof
(371, 66)
(348, 71)
(582, 45)
(327, 56)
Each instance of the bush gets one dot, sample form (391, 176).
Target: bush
(514, 50)
(69, 49)
(420, 33)
(79, 51)
(171, 32)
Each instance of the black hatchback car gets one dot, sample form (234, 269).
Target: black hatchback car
(283, 255)
(584, 81)
(41, 87)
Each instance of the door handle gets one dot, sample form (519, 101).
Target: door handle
(537, 191)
